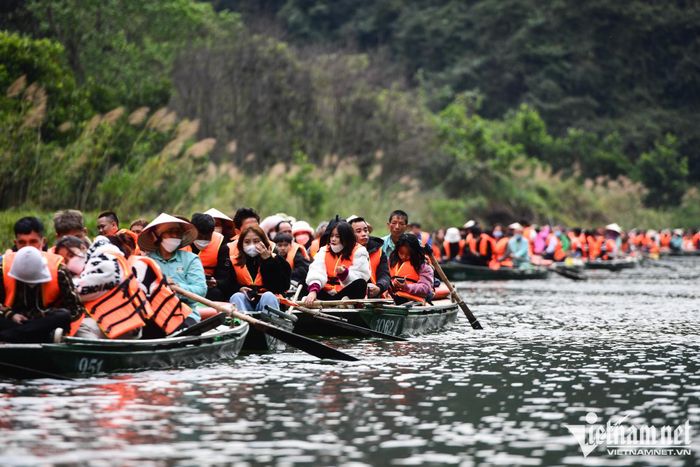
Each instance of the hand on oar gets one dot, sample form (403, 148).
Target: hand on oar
(463, 306)
(310, 346)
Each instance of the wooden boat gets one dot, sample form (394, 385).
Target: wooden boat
(684, 253)
(396, 320)
(629, 262)
(86, 357)
(257, 341)
(456, 271)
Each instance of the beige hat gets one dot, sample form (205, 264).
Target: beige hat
(678, 231)
(149, 236)
(452, 235)
(469, 224)
(30, 266)
(516, 226)
(614, 228)
(216, 214)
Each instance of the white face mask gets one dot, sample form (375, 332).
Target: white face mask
(171, 244)
(76, 265)
(250, 250)
(497, 234)
(336, 248)
(202, 244)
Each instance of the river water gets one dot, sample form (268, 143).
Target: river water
(620, 344)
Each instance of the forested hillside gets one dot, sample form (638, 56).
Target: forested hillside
(579, 112)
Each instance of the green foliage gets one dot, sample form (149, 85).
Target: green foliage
(302, 184)
(664, 171)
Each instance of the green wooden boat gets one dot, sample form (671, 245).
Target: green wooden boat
(613, 264)
(395, 320)
(456, 271)
(86, 357)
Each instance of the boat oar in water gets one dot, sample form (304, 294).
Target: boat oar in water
(340, 323)
(569, 273)
(463, 306)
(309, 346)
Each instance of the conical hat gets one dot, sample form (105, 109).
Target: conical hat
(614, 228)
(216, 214)
(148, 238)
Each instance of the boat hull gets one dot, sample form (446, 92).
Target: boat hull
(258, 341)
(613, 264)
(81, 357)
(466, 272)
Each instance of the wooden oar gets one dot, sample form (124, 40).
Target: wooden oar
(359, 301)
(309, 346)
(463, 306)
(569, 273)
(340, 323)
(35, 371)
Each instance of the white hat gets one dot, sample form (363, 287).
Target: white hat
(614, 228)
(678, 231)
(452, 235)
(149, 236)
(30, 266)
(351, 218)
(469, 224)
(302, 226)
(270, 222)
(515, 226)
(216, 214)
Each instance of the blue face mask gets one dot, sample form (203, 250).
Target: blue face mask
(497, 234)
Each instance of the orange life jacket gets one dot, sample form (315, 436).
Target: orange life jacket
(594, 247)
(210, 254)
(50, 291)
(244, 278)
(436, 251)
(167, 310)
(291, 254)
(559, 253)
(448, 249)
(233, 251)
(406, 271)
(123, 308)
(374, 259)
(332, 262)
(610, 248)
(500, 250)
(315, 246)
(665, 240)
(696, 240)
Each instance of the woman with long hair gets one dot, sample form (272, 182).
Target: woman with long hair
(411, 276)
(259, 272)
(340, 268)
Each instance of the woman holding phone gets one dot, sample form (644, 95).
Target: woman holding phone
(411, 276)
(340, 268)
(259, 273)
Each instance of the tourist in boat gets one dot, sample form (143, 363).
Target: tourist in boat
(138, 225)
(38, 301)
(453, 246)
(501, 248)
(166, 313)
(73, 250)
(295, 255)
(340, 268)
(162, 241)
(107, 223)
(676, 243)
(114, 304)
(212, 249)
(303, 234)
(316, 242)
(69, 222)
(423, 237)
(259, 272)
(610, 247)
(378, 261)
(480, 249)
(411, 276)
(223, 223)
(554, 246)
(398, 223)
(437, 240)
(518, 247)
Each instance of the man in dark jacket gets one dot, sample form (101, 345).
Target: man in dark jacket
(378, 262)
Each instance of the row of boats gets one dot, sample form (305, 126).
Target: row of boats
(220, 338)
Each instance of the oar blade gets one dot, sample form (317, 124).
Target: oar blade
(315, 348)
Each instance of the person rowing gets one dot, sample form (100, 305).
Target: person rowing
(340, 268)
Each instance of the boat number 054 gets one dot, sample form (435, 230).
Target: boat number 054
(90, 365)
(386, 326)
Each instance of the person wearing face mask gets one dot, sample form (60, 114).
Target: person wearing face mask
(38, 301)
(212, 249)
(518, 250)
(378, 262)
(162, 241)
(73, 250)
(340, 268)
(259, 272)
(411, 276)
(303, 234)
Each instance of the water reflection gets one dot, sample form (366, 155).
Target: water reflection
(621, 343)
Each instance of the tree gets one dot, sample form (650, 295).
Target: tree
(663, 170)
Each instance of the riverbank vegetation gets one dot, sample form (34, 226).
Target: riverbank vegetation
(318, 107)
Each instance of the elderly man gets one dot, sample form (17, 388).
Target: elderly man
(398, 223)
(37, 297)
(107, 223)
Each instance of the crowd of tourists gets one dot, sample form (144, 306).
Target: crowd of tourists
(122, 284)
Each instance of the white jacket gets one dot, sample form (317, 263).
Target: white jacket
(358, 270)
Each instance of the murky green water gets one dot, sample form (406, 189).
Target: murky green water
(620, 344)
